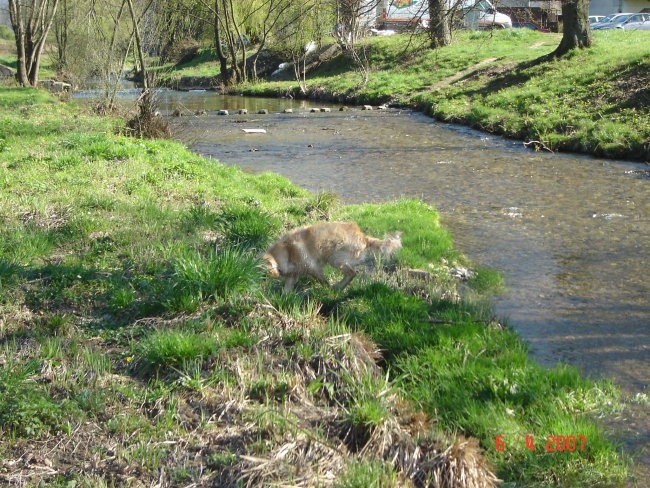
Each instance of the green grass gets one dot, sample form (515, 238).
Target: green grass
(134, 319)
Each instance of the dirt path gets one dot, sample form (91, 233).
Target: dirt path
(461, 74)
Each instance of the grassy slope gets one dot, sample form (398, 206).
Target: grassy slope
(595, 100)
(124, 330)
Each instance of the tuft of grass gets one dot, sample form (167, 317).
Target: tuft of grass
(174, 349)
(248, 226)
(26, 409)
(223, 275)
(367, 474)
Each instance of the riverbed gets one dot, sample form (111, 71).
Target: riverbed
(570, 234)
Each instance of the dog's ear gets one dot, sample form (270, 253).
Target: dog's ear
(395, 236)
(269, 264)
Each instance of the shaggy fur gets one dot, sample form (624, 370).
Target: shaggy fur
(306, 250)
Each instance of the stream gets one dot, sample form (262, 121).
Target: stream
(569, 233)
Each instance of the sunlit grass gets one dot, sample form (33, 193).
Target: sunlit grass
(132, 302)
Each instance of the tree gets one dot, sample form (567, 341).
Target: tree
(354, 17)
(31, 21)
(439, 23)
(576, 31)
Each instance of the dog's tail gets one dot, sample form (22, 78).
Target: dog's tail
(386, 246)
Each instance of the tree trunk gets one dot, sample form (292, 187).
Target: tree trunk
(31, 23)
(18, 26)
(138, 45)
(576, 29)
(439, 23)
(226, 75)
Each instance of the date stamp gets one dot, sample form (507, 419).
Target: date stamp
(554, 443)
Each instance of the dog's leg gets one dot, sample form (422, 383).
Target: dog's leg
(289, 283)
(349, 273)
(319, 275)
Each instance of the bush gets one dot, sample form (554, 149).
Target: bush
(181, 52)
(6, 33)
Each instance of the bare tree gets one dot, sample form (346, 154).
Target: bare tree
(576, 32)
(31, 22)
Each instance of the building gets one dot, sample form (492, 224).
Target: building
(606, 7)
(546, 14)
(4, 12)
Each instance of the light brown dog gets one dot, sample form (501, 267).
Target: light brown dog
(306, 250)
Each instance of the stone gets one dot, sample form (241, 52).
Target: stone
(56, 86)
(6, 72)
(262, 111)
(243, 111)
(222, 112)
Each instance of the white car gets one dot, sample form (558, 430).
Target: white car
(594, 19)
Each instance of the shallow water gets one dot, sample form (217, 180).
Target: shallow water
(570, 234)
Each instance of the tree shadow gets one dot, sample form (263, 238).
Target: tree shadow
(505, 76)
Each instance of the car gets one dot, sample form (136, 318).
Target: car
(530, 25)
(619, 21)
(605, 21)
(645, 25)
(594, 19)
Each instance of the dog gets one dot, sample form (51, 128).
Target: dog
(306, 250)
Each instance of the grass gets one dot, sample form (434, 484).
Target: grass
(135, 322)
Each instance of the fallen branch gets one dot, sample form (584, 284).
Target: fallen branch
(537, 145)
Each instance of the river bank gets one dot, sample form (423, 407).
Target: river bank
(595, 101)
(136, 324)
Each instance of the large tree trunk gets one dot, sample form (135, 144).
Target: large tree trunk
(439, 23)
(576, 29)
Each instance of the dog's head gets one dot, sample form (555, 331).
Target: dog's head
(269, 265)
(392, 243)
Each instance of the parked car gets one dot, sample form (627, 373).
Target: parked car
(605, 21)
(621, 20)
(530, 25)
(645, 25)
(595, 19)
